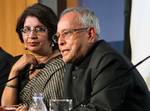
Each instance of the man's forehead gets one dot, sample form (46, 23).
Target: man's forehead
(70, 16)
(65, 24)
(69, 20)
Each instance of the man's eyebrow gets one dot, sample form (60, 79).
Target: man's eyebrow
(65, 30)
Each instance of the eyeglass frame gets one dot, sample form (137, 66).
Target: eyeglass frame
(67, 31)
(35, 30)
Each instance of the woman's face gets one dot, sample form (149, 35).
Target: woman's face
(35, 36)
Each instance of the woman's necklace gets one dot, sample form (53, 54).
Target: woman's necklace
(44, 59)
(40, 60)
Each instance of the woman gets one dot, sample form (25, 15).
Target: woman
(35, 28)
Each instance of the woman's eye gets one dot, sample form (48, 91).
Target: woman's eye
(26, 30)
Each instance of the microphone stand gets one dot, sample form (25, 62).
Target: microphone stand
(4, 83)
(86, 100)
(39, 66)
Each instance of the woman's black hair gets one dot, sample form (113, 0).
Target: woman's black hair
(45, 15)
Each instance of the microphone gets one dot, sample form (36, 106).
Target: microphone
(38, 66)
(124, 74)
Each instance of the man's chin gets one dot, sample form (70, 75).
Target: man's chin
(66, 60)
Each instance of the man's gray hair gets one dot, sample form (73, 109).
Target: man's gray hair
(87, 18)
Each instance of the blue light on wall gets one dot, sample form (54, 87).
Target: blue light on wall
(111, 16)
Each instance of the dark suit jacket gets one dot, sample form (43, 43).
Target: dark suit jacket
(102, 82)
(6, 62)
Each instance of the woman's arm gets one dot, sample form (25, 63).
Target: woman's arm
(9, 96)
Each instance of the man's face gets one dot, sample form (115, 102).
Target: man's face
(74, 40)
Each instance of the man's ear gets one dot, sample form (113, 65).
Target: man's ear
(92, 34)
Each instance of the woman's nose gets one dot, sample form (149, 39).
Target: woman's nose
(32, 34)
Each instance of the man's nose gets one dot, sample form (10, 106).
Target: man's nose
(61, 41)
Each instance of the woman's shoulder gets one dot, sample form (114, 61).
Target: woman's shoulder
(55, 65)
(56, 61)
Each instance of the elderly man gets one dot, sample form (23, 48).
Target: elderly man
(97, 78)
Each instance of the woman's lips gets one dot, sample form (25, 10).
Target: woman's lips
(33, 43)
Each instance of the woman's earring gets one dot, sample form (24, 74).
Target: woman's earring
(52, 44)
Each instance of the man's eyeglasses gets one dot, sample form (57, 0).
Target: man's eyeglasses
(66, 34)
(39, 30)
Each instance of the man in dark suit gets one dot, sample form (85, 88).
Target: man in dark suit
(6, 62)
(97, 78)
